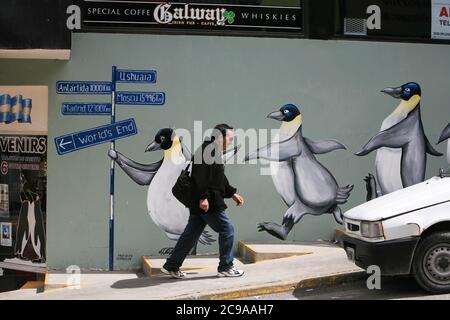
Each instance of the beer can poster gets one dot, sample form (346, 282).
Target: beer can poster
(23, 180)
(23, 109)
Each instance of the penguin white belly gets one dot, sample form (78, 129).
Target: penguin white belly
(283, 174)
(32, 229)
(316, 187)
(387, 169)
(164, 209)
(448, 151)
(284, 180)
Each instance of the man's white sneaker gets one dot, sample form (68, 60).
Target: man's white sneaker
(232, 272)
(174, 274)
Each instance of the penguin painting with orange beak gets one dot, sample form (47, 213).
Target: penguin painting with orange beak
(401, 145)
(164, 209)
(304, 184)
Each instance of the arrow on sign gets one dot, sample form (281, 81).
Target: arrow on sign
(62, 143)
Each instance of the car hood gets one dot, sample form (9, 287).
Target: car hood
(420, 195)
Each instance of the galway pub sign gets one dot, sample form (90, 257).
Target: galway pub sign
(136, 14)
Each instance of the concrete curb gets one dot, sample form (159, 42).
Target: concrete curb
(242, 292)
(248, 255)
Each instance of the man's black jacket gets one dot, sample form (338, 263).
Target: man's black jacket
(208, 174)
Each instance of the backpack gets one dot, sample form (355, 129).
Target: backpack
(183, 189)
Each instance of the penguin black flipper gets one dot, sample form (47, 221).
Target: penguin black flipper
(323, 146)
(394, 137)
(142, 174)
(22, 224)
(39, 228)
(371, 187)
(279, 151)
(445, 134)
(430, 149)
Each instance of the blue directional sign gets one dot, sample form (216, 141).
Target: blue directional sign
(86, 108)
(83, 139)
(83, 87)
(140, 98)
(136, 76)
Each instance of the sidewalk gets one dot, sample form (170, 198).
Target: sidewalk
(323, 264)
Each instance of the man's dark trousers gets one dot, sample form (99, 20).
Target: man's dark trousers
(220, 223)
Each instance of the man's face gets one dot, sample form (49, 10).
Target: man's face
(227, 140)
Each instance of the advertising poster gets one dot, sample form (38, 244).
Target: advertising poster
(23, 161)
(23, 176)
(206, 16)
(440, 19)
(23, 109)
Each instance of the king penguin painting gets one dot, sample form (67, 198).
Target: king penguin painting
(30, 244)
(304, 184)
(164, 209)
(401, 145)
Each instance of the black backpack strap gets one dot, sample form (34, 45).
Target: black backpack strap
(190, 162)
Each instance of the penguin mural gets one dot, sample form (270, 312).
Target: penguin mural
(30, 235)
(164, 209)
(304, 184)
(445, 135)
(401, 145)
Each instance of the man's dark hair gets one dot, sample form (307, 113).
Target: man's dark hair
(222, 128)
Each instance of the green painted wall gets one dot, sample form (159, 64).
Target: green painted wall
(220, 79)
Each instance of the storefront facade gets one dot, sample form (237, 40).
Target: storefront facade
(213, 79)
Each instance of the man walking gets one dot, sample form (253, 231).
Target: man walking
(212, 187)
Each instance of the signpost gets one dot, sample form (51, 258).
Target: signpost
(107, 133)
(127, 98)
(111, 172)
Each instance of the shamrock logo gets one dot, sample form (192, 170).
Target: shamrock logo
(229, 15)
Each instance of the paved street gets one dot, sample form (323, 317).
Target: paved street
(402, 288)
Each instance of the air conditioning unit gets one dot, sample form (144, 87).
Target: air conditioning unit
(355, 26)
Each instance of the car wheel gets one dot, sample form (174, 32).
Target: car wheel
(431, 264)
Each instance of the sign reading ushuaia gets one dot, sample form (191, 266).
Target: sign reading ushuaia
(116, 14)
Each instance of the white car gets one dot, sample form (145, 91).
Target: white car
(404, 232)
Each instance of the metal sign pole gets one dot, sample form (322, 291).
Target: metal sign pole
(113, 147)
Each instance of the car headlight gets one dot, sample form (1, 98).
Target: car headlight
(370, 229)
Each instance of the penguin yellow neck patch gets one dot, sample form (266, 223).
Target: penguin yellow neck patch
(174, 152)
(407, 106)
(292, 126)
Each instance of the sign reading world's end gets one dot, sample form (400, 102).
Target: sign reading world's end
(83, 139)
(136, 76)
(140, 98)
